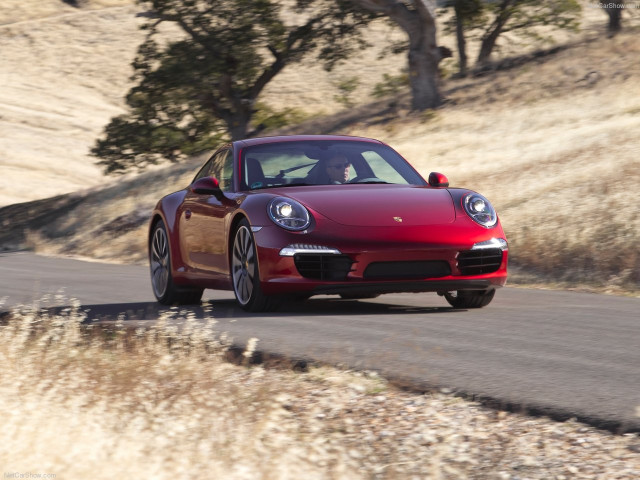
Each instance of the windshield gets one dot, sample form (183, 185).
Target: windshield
(323, 162)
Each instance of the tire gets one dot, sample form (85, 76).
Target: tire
(245, 272)
(469, 298)
(165, 291)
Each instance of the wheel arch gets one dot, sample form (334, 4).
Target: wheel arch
(155, 218)
(173, 245)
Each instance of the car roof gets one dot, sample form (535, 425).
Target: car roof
(301, 138)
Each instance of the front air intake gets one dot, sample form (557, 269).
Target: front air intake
(477, 262)
(323, 266)
(407, 270)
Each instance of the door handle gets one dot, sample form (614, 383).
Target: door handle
(187, 214)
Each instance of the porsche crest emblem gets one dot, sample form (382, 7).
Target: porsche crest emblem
(398, 219)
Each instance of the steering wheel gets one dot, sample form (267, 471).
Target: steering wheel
(366, 180)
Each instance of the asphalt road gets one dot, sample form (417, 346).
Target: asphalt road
(565, 354)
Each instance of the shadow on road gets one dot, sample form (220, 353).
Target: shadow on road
(229, 309)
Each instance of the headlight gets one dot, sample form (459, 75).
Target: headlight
(288, 214)
(480, 210)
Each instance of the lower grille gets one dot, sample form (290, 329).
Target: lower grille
(407, 270)
(476, 262)
(323, 267)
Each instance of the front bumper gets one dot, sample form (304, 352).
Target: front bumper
(379, 261)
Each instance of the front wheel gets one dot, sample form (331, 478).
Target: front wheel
(245, 272)
(165, 291)
(469, 298)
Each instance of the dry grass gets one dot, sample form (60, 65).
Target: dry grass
(163, 403)
(64, 73)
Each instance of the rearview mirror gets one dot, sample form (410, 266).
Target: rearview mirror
(206, 186)
(438, 180)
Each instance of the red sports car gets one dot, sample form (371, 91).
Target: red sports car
(290, 217)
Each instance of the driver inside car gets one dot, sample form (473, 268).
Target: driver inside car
(337, 168)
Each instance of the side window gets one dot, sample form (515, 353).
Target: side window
(204, 171)
(222, 169)
(219, 166)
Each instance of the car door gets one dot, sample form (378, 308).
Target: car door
(202, 220)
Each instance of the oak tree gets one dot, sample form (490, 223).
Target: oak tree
(495, 18)
(200, 85)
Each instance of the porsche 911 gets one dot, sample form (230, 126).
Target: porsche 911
(278, 219)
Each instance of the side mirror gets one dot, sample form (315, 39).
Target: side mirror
(206, 186)
(438, 180)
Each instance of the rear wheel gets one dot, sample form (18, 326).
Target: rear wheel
(469, 298)
(166, 292)
(245, 273)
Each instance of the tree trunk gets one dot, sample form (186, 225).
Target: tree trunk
(490, 37)
(615, 20)
(424, 75)
(424, 55)
(487, 46)
(462, 44)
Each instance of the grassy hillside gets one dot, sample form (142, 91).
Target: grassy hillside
(550, 139)
(63, 74)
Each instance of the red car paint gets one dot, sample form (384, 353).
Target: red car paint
(406, 224)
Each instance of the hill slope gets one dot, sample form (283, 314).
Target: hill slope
(64, 72)
(551, 140)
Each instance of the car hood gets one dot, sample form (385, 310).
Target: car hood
(378, 205)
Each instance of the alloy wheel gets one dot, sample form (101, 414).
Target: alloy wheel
(159, 262)
(243, 265)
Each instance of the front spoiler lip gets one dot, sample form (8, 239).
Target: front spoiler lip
(402, 287)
